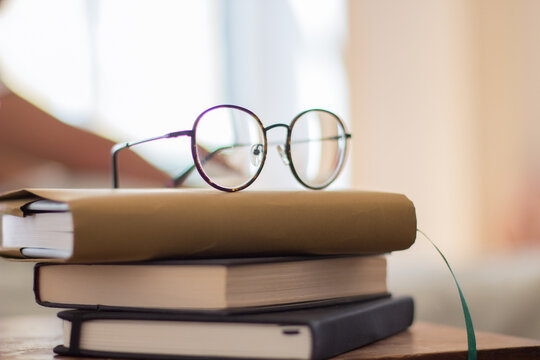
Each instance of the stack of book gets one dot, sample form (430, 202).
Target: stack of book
(188, 273)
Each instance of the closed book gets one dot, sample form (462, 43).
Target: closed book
(105, 225)
(313, 333)
(235, 285)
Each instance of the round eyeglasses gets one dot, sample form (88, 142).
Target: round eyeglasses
(229, 147)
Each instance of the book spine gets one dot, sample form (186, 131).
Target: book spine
(350, 331)
(37, 296)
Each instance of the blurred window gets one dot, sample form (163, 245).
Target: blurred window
(129, 69)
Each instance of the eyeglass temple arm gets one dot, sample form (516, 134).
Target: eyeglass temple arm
(337, 137)
(116, 148)
(180, 178)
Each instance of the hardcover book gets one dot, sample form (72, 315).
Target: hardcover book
(314, 333)
(105, 225)
(235, 285)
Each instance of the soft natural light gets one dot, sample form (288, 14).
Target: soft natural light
(321, 77)
(45, 55)
(314, 148)
(158, 64)
(158, 69)
(132, 69)
(124, 69)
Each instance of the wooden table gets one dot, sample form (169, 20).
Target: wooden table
(33, 337)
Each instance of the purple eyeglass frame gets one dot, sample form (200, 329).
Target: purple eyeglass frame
(197, 161)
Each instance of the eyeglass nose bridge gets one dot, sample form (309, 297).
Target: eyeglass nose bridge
(270, 127)
(280, 148)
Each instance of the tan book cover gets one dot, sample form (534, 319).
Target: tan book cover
(142, 224)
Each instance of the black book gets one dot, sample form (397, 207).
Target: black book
(313, 333)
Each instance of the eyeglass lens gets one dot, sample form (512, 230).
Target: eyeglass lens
(230, 144)
(318, 145)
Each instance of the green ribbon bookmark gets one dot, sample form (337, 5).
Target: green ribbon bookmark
(471, 338)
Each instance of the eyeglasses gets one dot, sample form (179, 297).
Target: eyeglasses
(229, 147)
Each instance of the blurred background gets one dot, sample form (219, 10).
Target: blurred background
(441, 98)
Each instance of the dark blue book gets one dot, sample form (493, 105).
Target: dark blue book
(313, 333)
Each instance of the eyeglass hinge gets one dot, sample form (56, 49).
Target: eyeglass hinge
(180, 133)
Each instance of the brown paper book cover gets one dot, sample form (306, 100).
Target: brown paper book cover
(144, 224)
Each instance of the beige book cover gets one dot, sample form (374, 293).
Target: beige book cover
(142, 224)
